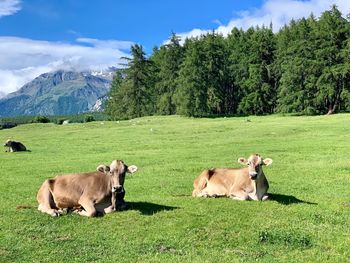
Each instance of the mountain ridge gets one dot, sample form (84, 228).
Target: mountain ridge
(57, 93)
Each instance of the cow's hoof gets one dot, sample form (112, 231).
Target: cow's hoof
(265, 197)
(99, 214)
(63, 211)
(55, 213)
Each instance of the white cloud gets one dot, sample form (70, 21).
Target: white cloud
(9, 7)
(277, 12)
(21, 59)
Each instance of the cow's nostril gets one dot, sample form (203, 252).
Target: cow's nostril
(253, 175)
(117, 189)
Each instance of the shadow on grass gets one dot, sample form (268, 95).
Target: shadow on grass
(288, 199)
(147, 208)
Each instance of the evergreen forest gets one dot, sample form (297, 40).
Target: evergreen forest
(304, 68)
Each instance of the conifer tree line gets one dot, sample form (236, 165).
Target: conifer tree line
(304, 69)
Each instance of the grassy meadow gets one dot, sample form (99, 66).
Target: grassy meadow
(306, 219)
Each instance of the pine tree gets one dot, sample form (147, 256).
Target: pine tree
(298, 67)
(113, 96)
(191, 96)
(258, 88)
(332, 36)
(237, 66)
(203, 80)
(216, 73)
(168, 71)
(130, 96)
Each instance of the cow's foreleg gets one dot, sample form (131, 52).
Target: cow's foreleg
(109, 209)
(120, 203)
(239, 195)
(117, 202)
(89, 208)
(113, 205)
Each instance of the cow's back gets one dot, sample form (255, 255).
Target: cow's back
(219, 181)
(21, 146)
(224, 179)
(68, 189)
(229, 176)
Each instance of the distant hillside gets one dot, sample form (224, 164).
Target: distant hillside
(57, 93)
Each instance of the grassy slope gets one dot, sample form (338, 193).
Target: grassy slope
(311, 165)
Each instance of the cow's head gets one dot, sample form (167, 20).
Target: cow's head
(117, 171)
(255, 163)
(8, 143)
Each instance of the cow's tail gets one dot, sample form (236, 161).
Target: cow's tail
(24, 206)
(201, 182)
(45, 197)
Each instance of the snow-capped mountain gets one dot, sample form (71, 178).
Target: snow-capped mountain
(58, 93)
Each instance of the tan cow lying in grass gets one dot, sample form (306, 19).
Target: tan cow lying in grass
(247, 183)
(84, 190)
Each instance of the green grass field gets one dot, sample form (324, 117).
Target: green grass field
(306, 220)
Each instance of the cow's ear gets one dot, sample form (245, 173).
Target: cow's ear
(243, 161)
(103, 168)
(267, 161)
(132, 169)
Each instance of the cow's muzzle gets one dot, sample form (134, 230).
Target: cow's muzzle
(117, 189)
(253, 175)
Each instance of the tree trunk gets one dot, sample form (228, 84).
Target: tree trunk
(331, 109)
(333, 105)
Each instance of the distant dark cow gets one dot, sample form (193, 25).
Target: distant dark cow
(14, 146)
(7, 125)
(247, 183)
(85, 192)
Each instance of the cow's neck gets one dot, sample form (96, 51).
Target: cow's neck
(109, 180)
(257, 186)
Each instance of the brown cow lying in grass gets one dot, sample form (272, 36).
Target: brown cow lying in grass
(247, 183)
(84, 192)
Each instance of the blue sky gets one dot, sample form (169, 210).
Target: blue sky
(38, 36)
(147, 22)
